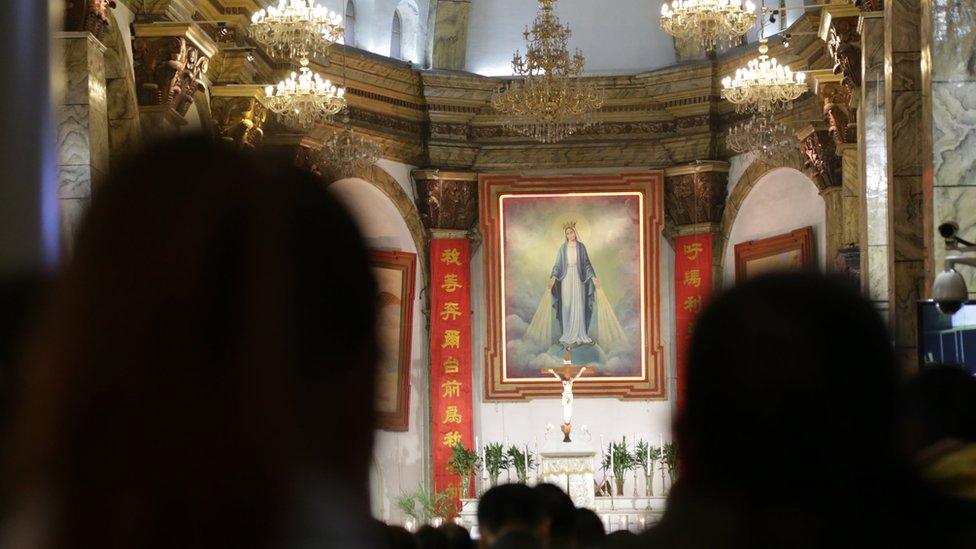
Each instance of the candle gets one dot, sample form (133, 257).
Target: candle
(526, 463)
(611, 458)
(477, 447)
(660, 440)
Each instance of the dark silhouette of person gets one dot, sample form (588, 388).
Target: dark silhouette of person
(942, 427)
(560, 513)
(204, 374)
(589, 529)
(429, 537)
(789, 432)
(511, 513)
(458, 536)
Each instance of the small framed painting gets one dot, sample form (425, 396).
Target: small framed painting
(792, 251)
(395, 274)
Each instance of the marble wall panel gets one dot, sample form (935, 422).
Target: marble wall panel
(878, 273)
(451, 34)
(74, 181)
(953, 41)
(74, 145)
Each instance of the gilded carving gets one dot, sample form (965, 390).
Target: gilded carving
(844, 48)
(168, 71)
(822, 161)
(841, 117)
(239, 120)
(88, 15)
(695, 198)
(447, 203)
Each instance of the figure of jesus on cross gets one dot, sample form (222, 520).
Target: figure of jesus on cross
(567, 375)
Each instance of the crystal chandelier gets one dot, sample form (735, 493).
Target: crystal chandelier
(764, 136)
(708, 21)
(305, 100)
(548, 102)
(296, 29)
(346, 153)
(763, 84)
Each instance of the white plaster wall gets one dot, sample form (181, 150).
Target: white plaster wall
(374, 25)
(781, 201)
(525, 422)
(400, 460)
(615, 35)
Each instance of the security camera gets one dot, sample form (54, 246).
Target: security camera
(949, 288)
(949, 291)
(949, 229)
(772, 17)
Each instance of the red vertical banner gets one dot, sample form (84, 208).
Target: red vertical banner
(692, 286)
(450, 355)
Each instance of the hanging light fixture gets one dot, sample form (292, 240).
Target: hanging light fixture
(548, 102)
(763, 85)
(296, 29)
(304, 99)
(347, 153)
(708, 21)
(764, 136)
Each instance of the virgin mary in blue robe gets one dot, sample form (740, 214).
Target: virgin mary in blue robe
(573, 291)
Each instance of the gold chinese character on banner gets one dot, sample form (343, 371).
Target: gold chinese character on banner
(451, 365)
(692, 303)
(452, 338)
(451, 256)
(451, 388)
(692, 251)
(451, 283)
(451, 415)
(693, 278)
(452, 439)
(450, 311)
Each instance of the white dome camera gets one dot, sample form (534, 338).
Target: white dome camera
(949, 291)
(949, 288)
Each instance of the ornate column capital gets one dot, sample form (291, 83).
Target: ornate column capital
(88, 16)
(447, 200)
(171, 60)
(239, 114)
(694, 194)
(822, 160)
(838, 28)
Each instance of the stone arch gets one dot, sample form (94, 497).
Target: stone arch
(743, 186)
(124, 128)
(379, 178)
(410, 29)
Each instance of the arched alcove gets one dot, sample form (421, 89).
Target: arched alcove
(389, 222)
(768, 202)
(409, 25)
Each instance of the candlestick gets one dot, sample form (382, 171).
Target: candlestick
(660, 440)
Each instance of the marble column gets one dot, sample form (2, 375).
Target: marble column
(873, 160)
(948, 46)
(171, 61)
(825, 168)
(906, 213)
(82, 117)
(451, 34)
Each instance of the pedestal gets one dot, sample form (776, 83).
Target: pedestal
(569, 465)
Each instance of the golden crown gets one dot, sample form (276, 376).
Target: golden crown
(569, 225)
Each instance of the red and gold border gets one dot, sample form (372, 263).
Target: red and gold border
(649, 185)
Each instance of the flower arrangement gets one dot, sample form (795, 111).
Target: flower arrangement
(464, 462)
(522, 461)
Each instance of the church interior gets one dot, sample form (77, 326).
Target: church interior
(558, 201)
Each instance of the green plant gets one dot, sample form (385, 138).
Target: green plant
(463, 462)
(670, 458)
(422, 505)
(496, 460)
(623, 460)
(517, 458)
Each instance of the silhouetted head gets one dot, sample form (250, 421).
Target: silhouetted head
(561, 513)
(458, 537)
(589, 529)
(204, 374)
(429, 537)
(510, 507)
(791, 392)
(941, 406)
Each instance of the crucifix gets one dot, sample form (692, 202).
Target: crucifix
(567, 375)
